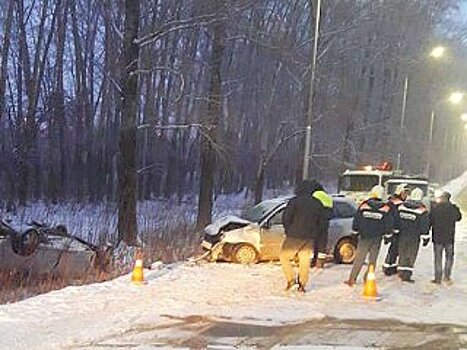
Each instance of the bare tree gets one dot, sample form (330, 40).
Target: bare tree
(212, 119)
(127, 225)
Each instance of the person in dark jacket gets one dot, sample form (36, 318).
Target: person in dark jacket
(302, 221)
(390, 263)
(320, 246)
(372, 221)
(414, 224)
(444, 216)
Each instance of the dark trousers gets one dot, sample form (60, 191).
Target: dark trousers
(366, 246)
(320, 246)
(408, 251)
(448, 248)
(390, 264)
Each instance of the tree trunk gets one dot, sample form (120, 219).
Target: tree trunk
(4, 55)
(211, 122)
(127, 225)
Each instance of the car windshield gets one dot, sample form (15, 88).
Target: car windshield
(362, 183)
(256, 213)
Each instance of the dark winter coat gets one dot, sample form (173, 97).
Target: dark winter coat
(394, 202)
(373, 219)
(414, 219)
(443, 221)
(327, 203)
(303, 215)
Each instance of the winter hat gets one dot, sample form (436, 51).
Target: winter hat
(377, 192)
(446, 195)
(308, 186)
(401, 188)
(416, 194)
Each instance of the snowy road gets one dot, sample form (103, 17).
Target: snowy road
(325, 334)
(224, 306)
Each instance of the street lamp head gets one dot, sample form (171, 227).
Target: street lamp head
(437, 52)
(456, 97)
(464, 117)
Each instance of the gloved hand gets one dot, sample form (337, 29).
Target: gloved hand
(387, 239)
(426, 241)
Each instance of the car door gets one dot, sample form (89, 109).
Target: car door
(341, 222)
(272, 235)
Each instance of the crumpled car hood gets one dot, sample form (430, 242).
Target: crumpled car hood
(213, 229)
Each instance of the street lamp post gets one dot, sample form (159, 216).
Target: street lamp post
(401, 128)
(436, 53)
(308, 140)
(430, 143)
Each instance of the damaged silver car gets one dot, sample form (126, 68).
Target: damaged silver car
(258, 234)
(37, 249)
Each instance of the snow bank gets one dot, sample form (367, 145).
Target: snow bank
(456, 185)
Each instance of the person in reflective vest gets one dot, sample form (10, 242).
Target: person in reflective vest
(319, 249)
(372, 221)
(414, 224)
(390, 263)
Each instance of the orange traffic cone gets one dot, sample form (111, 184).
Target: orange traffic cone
(369, 290)
(137, 276)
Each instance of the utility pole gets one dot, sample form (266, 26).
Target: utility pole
(401, 129)
(309, 139)
(430, 140)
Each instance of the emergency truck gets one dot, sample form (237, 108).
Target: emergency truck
(357, 184)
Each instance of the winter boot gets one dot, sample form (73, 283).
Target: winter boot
(291, 285)
(350, 282)
(448, 281)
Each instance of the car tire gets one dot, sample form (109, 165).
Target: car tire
(26, 243)
(345, 251)
(245, 254)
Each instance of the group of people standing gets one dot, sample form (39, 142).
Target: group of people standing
(403, 221)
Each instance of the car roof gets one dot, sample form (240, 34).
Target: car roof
(285, 199)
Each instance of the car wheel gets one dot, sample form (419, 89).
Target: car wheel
(346, 250)
(245, 254)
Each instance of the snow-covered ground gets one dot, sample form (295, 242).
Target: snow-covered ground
(80, 316)
(246, 294)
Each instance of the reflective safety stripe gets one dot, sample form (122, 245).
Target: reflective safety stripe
(372, 215)
(389, 265)
(403, 268)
